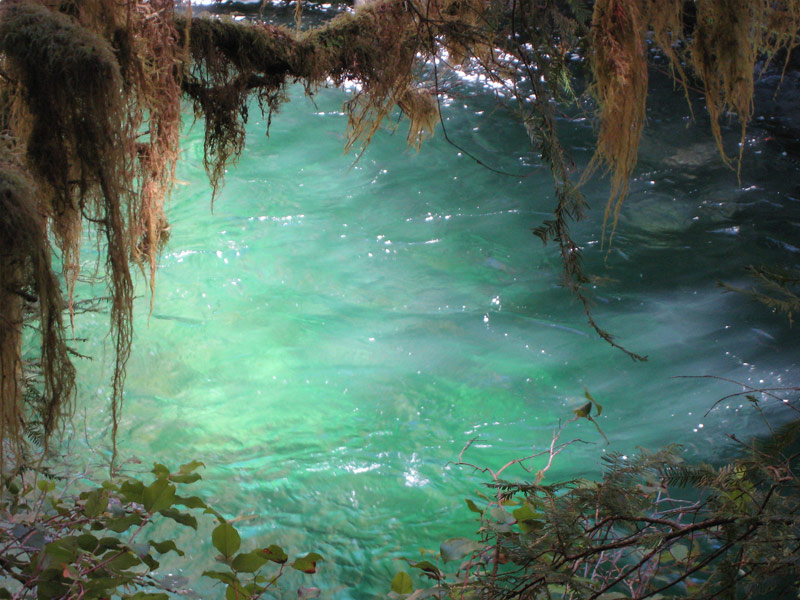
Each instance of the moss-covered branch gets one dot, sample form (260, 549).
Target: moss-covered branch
(376, 46)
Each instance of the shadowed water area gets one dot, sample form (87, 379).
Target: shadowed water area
(331, 336)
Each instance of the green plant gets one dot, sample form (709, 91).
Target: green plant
(55, 544)
(777, 288)
(652, 527)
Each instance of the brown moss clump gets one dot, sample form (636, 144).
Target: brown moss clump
(231, 62)
(69, 145)
(619, 67)
(717, 52)
(730, 36)
(376, 47)
(28, 281)
(92, 97)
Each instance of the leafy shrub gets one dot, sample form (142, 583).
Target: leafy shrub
(652, 527)
(95, 544)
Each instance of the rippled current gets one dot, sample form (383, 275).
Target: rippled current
(333, 333)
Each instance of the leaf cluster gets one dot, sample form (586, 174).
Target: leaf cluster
(653, 527)
(90, 110)
(95, 544)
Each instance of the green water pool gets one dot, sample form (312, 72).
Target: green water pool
(332, 334)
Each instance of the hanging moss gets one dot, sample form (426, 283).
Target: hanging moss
(376, 47)
(619, 67)
(81, 89)
(718, 51)
(27, 278)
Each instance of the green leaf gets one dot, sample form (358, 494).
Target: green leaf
(46, 486)
(584, 410)
(528, 518)
(679, 551)
(51, 588)
(187, 478)
(147, 596)
(96, 503)
(64, 550)
(307, 563)
(275, 554)
(190, 502)
(122, 561)
(593, 401)
(123, 523)
(402, 584)
(222, 576)
(104, 587)
(457, 548)
(525, 512)
(106, 543)
(160, 471)
(472, 506)
(498, 527)
(132, 490)
(87, 542)
(427, 567)
(226, 539)
(158, 496)
(501, 514)
(249, 562)
(190, 466)
(166, 546)
(179, 517)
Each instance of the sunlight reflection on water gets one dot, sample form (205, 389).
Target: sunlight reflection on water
(332, 335)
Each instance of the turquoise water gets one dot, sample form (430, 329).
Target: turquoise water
(330, 337)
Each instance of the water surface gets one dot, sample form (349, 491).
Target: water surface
(330, 337)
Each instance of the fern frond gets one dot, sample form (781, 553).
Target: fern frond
(684, 476)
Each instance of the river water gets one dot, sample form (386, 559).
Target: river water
(330, 337)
